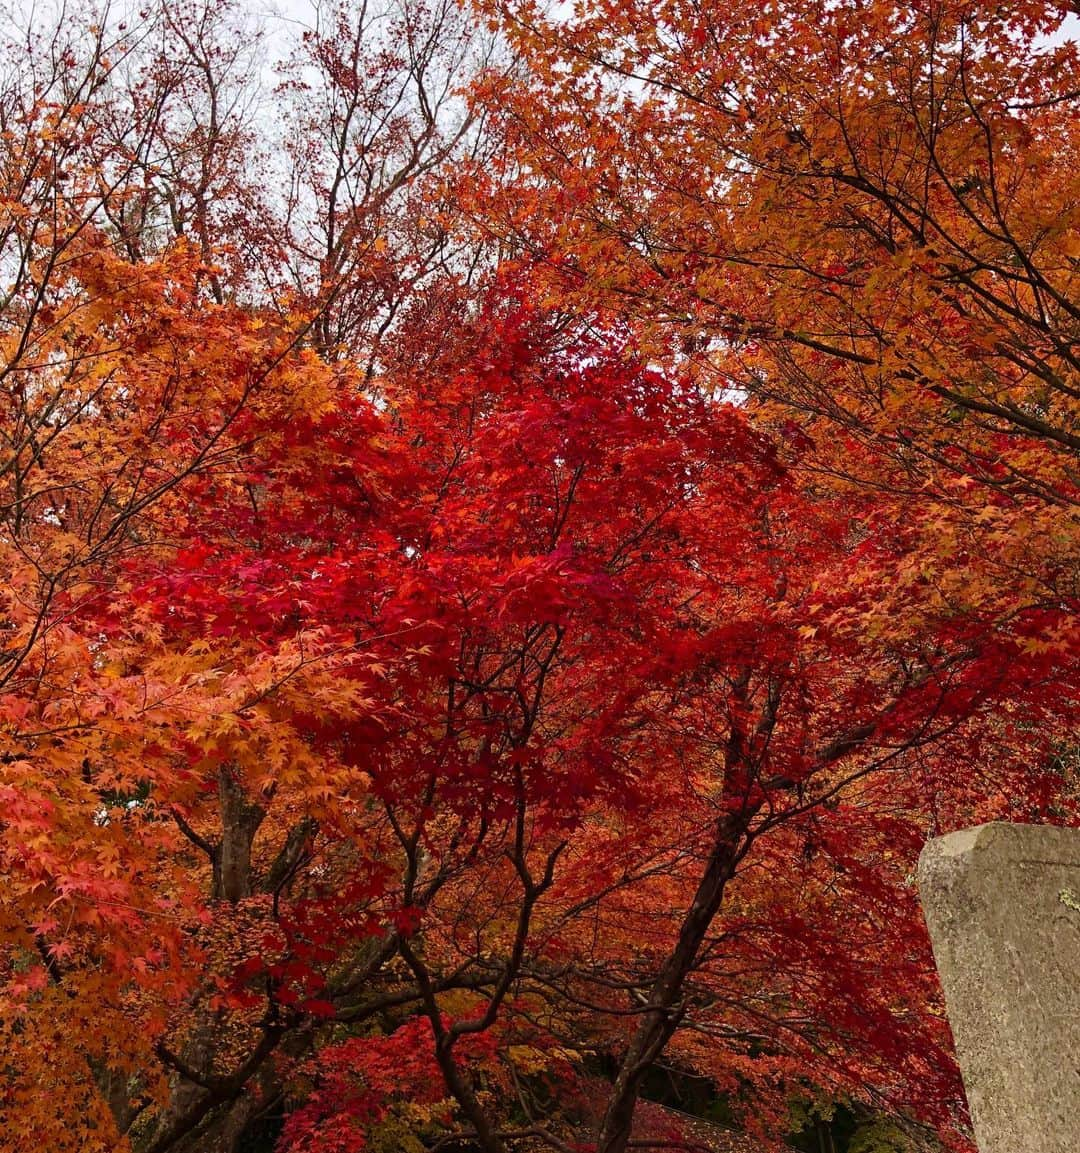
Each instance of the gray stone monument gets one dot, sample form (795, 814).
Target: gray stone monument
(1002, 903)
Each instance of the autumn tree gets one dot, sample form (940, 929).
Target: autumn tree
(680, 864)
(150, 370)
(859, 219)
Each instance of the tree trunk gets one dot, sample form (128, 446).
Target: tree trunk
(240, 821)
(665, 1009)
(231, 881)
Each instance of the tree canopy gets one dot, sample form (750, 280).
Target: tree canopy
(515, 528)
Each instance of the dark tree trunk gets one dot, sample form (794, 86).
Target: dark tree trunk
(665, 1008)
(240, 821)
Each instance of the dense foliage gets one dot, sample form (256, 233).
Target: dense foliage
(514, 531)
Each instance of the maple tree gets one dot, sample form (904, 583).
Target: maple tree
(860, 219)
(422, 685)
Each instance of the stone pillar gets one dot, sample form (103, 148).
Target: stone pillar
(1002, 903)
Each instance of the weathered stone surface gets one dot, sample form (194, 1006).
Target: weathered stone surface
(1002, 903)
